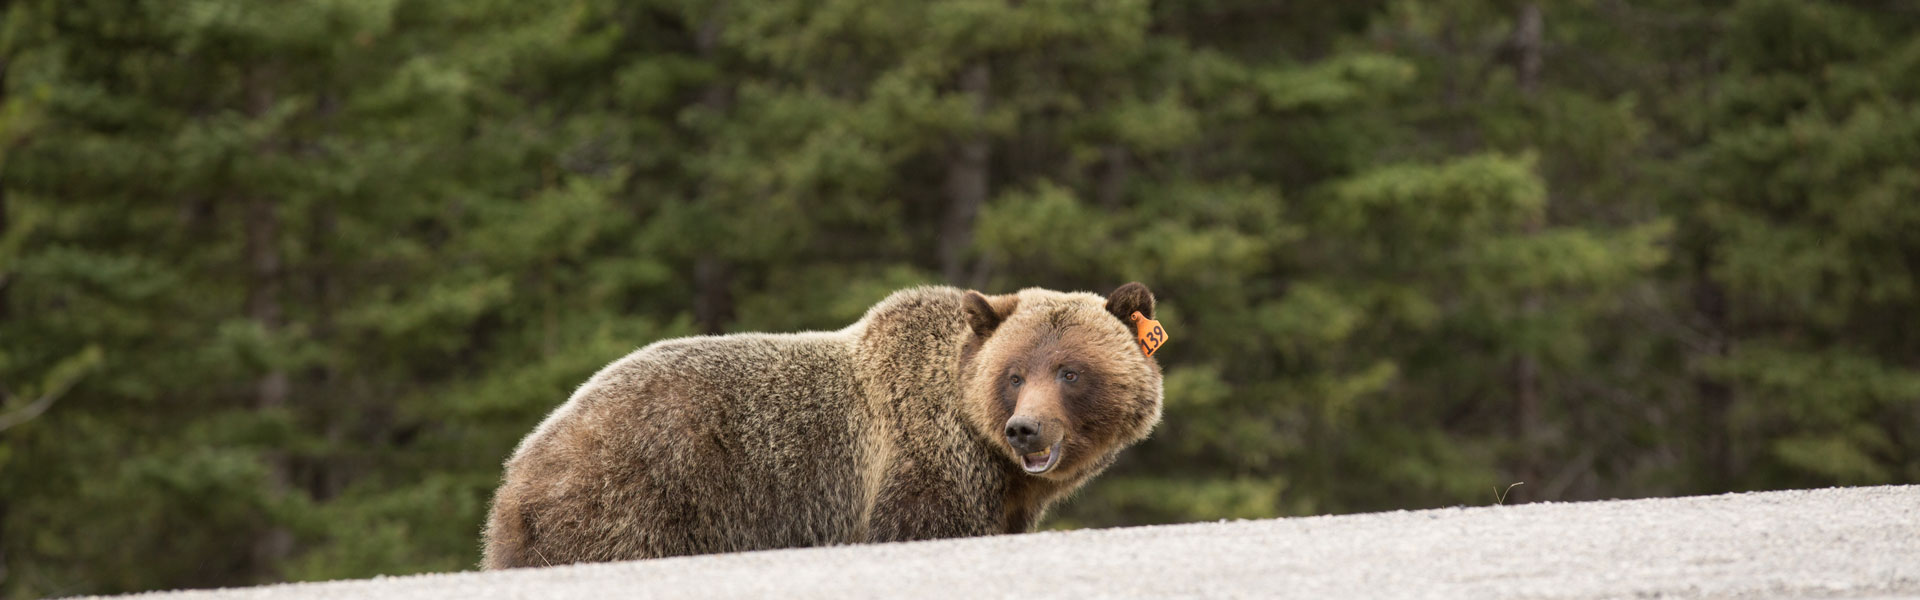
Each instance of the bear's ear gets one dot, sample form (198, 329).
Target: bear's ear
(985, 313)
(1128, 299)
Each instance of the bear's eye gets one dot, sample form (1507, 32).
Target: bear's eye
(1066, 375)
(1016, 380)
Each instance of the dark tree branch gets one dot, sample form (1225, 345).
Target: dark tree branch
(31, 411)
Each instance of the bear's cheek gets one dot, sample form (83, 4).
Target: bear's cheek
(1082, 456)
(1094, 433)
(1117, 420)
(1081, 451)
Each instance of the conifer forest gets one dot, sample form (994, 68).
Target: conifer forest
(282, 282)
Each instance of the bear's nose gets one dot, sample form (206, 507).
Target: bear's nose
(1023, 433)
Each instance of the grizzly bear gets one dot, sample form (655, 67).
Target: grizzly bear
(941, 413)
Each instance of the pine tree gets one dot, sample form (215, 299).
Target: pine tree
(282, 285)
(1799, 205)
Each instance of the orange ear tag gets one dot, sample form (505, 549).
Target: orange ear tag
(1149, 333)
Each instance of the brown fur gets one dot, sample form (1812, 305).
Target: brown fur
(888, 430)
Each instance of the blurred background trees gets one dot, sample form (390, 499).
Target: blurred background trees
(281, 284)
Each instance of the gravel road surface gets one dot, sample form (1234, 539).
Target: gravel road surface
(1831, 543)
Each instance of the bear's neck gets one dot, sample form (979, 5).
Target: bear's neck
(1027, 497)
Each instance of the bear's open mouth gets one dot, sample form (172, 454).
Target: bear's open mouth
(1039, 462)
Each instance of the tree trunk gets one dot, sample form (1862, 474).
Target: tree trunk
(1716, 397)
(1710, 303)
(713, 305)
(263, 292)
(261, 221)
(5, 312)
(271, 389)
(6, 279)
(342, 412)
(966, 179)
(712, 272)
(1526, 367)
(1527, 50)
(706, 42)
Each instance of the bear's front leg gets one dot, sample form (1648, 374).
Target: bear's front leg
(925, 506)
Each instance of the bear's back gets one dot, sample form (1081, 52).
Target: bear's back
(694, 445)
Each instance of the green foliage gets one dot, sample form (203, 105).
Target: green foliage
(281, 285)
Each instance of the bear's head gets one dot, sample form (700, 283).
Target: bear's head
(1056, 380)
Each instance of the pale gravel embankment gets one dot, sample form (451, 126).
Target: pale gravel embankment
(1848, 543)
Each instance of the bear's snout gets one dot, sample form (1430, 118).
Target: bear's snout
(1023, 433)
(1037, 444)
